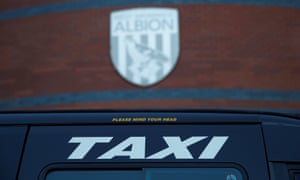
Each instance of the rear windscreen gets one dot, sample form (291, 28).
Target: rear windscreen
(149, 174)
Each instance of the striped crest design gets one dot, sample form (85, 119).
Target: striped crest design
(144, 43)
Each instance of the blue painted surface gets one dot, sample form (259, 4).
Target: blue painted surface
(94, 4)
(150, 94)
(282, 142)
(39, 151)
(12, 140)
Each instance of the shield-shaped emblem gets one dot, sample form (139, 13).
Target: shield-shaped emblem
(144, 43)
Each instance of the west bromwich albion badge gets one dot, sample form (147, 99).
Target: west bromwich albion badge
(144, 43)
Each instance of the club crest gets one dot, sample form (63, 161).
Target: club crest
(144, 43)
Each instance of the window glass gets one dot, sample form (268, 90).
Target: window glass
(95, 175)
(193, 174)
(149, 174)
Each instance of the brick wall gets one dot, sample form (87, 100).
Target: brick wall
(49, 59)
